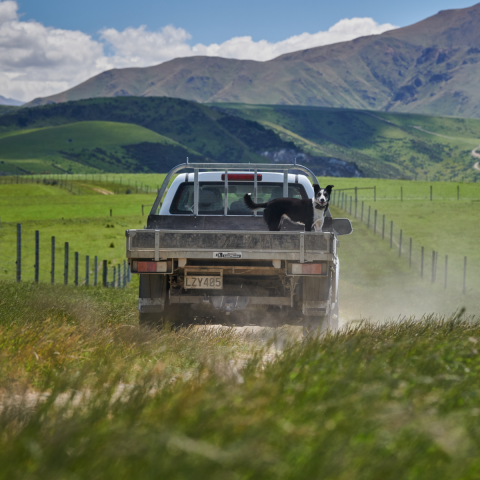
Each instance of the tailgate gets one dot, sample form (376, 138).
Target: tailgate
(299, 246)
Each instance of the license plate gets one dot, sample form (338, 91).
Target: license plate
(201, 281)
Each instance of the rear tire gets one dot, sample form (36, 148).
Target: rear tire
(177, 314)
(319, 324)
(150, 320)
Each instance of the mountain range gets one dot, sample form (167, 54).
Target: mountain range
(11, 102)
(431, 67)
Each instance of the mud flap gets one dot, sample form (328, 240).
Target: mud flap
(316, 296)
(152, 293)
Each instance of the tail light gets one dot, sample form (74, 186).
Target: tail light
(243, 177)
(150, 267)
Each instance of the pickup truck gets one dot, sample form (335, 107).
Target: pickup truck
(204, 256)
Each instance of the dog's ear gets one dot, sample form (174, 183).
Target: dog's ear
(329, 189)
(316, 189)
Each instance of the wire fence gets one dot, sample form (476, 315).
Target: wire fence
(29, 256)
(452, 271)
(70, 182)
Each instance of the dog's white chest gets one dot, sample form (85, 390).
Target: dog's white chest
(318, 217)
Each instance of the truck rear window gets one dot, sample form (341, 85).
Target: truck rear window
(211, 197)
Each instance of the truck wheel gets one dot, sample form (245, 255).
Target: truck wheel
(177, 315)
(315, 324)
(151, 320)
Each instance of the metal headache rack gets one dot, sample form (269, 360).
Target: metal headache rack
(265, 167)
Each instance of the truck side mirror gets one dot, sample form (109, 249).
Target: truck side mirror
(342, 226)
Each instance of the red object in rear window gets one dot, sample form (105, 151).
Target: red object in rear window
(242, 176)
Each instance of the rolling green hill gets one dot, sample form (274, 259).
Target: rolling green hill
(193, 130)
(431, 67)
(103, 146)
(381, 144)
(132, 134)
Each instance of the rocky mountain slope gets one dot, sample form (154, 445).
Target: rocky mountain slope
(430, 67)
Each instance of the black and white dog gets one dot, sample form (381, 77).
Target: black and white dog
(310, 213)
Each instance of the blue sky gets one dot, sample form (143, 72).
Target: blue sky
(48, 46)
(214, 21)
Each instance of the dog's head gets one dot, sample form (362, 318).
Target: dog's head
(322, 195)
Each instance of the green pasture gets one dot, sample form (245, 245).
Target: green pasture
(83, 221)
(446, 225)
(375, 283)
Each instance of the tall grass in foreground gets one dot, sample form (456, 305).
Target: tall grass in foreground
(393, 401)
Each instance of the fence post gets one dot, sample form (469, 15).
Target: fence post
(400, 244)
(95, 274)
(124, 274)
(391, 234)
(383, 228)
(104, 273)
(464, 275)
(19, 251)
(52, 271)
(87, 270)
(368, 222)
(375, 193)
(362, 212)
(114, 272)
(446, 270)
(356, 202)
(410, 254)
(65, 265)
(119, 268)
(421, 263)
(37, 254)
(110, 212)
(375, 223)
(350, 204)
(76, 269)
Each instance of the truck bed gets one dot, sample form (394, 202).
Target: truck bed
(203, 237)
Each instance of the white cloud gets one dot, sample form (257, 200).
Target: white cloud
(246, 48)
(38, 61)
(8, 11)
